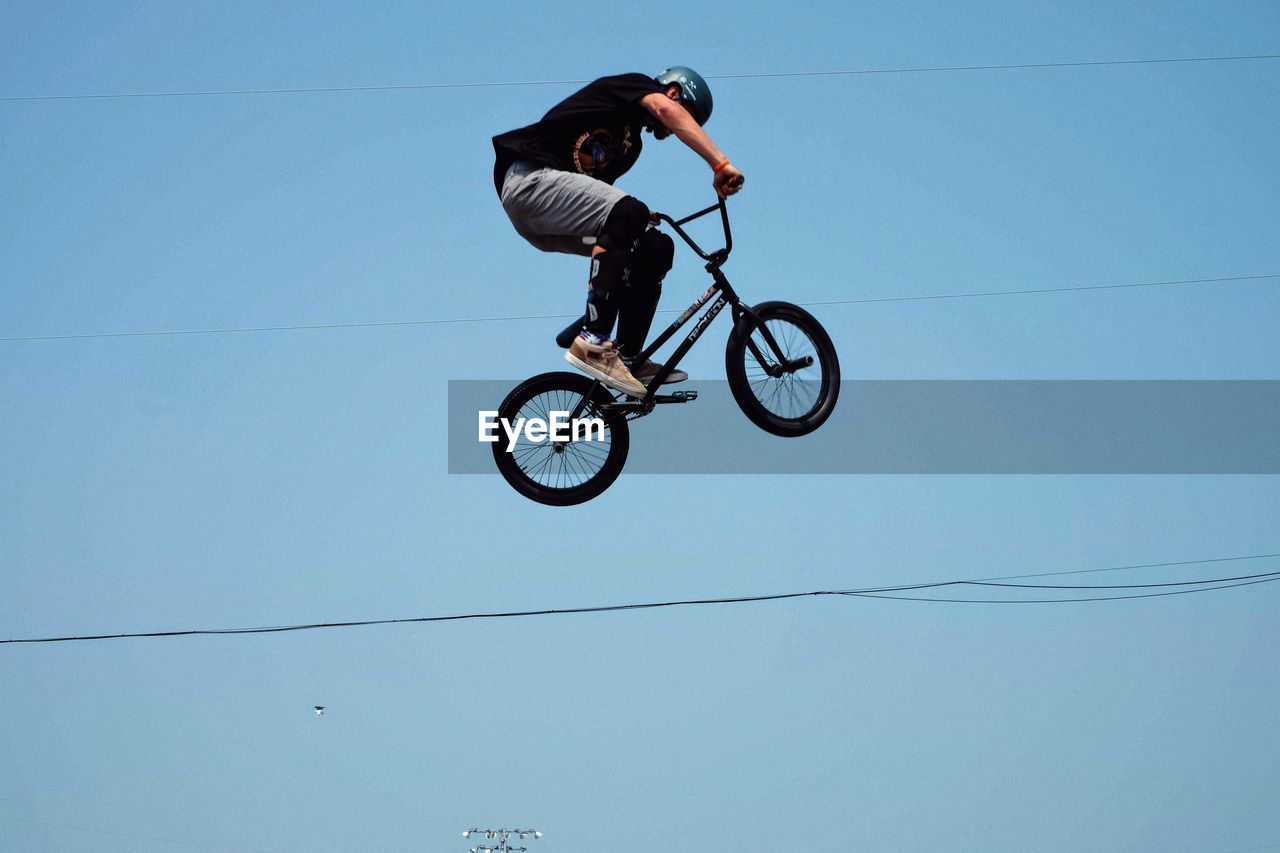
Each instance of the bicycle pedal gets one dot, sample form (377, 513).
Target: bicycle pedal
(676, 397)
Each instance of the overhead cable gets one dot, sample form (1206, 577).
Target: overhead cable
(459, 320)
(1170, 587)
(493, 84)
(1061, 600)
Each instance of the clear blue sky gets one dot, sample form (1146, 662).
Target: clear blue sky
(226, 480)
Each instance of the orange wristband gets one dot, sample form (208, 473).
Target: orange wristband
(719, 166)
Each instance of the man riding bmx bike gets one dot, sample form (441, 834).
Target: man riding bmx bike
(555, 179)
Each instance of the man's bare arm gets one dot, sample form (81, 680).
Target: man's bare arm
(675, 118)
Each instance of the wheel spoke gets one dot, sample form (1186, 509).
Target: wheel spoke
(797, 394)
(558, 472)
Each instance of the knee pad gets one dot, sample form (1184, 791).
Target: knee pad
(650, 261)
(652, 258)
(625, 224)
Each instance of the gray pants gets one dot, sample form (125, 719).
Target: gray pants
(557, 211)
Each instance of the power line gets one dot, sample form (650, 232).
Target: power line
(1134, 567)
(300, 328)
(1044, 290)
(1005, 67)
(458, 320)
(930, 69)
(1205, 585)
(1062, 600)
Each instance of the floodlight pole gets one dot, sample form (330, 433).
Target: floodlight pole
(502, 836)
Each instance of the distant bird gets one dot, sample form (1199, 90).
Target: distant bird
(319, 710)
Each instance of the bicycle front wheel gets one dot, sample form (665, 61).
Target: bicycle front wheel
(554, 461)
(791, 396)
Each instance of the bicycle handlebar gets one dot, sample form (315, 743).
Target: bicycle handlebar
(717, 257)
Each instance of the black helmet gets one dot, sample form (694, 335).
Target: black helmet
(694, 91)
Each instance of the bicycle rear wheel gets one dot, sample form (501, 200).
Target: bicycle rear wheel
(789, 402)
(561, 472)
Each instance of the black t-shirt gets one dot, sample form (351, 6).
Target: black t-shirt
(595, 131)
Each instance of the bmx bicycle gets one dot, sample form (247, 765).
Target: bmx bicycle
(780, 363)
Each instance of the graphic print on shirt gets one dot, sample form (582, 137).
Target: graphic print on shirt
(594, 150)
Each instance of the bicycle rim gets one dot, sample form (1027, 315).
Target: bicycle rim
(792, 396)
(561, 472)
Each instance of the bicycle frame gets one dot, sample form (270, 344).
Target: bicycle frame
(726, 296)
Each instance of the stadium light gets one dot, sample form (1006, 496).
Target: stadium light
(502, 836)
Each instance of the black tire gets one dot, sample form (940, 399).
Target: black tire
(794, 403)
(561, 473)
